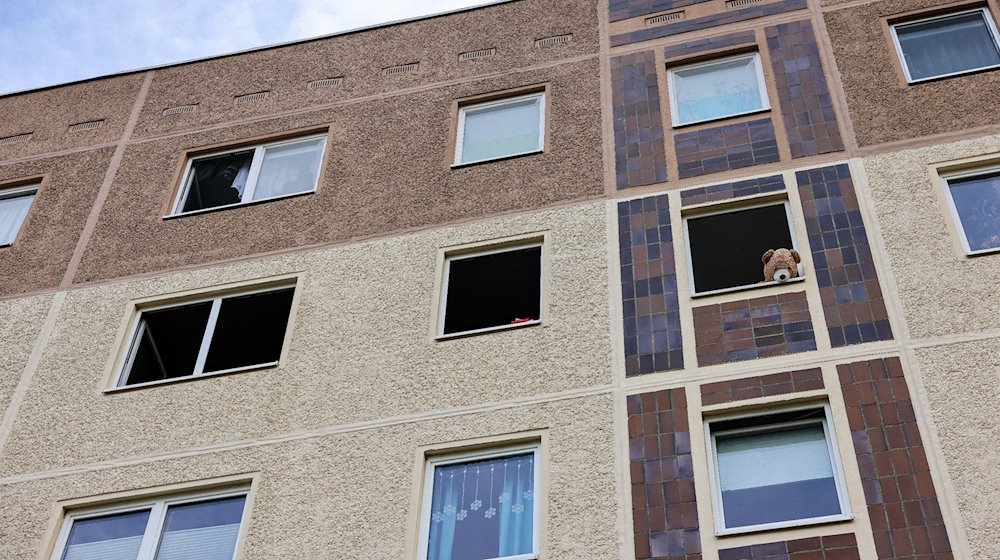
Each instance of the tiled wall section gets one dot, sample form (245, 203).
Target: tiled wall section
(625, 9)
(902, 503)
(725, 191)
(702, 45)
(763, 386)
(664, 510)
(831, 547)
(755, 328)
(806, 105)
(652, 322)
(722, 18)
(845, 271)
(640, 158)
(733, 146)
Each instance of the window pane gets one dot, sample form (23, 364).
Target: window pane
(947, 45)
(218, 180)
(112, 537)
(483, 509)
(717, 90)
(776, 476)
(977, 200)
(168, 342)
(289, 169)
(250, 330)
(492, 290)
(12, 213)
(505, 130)
(204, 530)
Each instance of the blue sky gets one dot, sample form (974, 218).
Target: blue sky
(45, 42)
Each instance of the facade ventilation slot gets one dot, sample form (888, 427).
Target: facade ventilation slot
(179, 109)
(15, 139)
(89, 125)
(732, 4)
(401, 69)
(325, 83)
(672, 16)
(481, 53)
(553, 41)
(251, 97)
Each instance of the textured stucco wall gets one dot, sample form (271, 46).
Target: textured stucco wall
(360, 350)
(349, 495)
(19, 327)
(942, 291)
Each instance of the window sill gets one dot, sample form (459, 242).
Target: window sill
(501, 158)
(977, 253)
(463, 334)
(716, 119)
(757, 286)
(952, 75)
(236, 205)
(125, 388)
(844, 517)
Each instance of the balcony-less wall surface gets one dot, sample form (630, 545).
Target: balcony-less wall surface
(22, 321)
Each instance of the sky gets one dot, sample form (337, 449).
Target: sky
(47, 42)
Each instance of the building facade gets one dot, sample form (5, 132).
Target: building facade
(489, 285)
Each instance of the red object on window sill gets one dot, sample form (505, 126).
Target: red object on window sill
(522, 320)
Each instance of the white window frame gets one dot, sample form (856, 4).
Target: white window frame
(836, 464)
(957, 219)
(539, 98)
(462, 255)
(469, 456)
(18, 192)
(902, 59)
(761, 85)
(157, 515)
(730, 210)
(136, 331)
(254, 173)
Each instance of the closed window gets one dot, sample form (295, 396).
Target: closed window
(975, 201)
(250, 174)
(216, 335)
(481, 506)
(205, 526)
(947, 45)
(776, 470)
(500, 129)
(14, 205)
(717, 89)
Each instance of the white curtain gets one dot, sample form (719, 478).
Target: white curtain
(770, 459)
(203, 543)
(114, 549)
(12, 213)
(717, 90)
(501, 131)
(289, 169)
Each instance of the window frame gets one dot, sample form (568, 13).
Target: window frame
(955, 216)
(427, 493)
(990, 25)
(837, 466)
(19, 191)
(260, 149)
(761, 85)
(464, 109)
(157, 506)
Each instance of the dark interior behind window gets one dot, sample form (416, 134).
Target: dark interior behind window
(250, 330)
(493, 290)
(217, 180)
(169, 342)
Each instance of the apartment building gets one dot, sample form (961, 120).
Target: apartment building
(489, 284)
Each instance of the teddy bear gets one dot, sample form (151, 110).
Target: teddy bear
(780, 264)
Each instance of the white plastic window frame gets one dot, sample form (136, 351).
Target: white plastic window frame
(479, 455)
(157, 507)
(990, 24)
(464, 110)
(730, 210)
(836, 464)
(443, 309)
(956, 218)
(761, 87)
(135, 332)
(7, 193)
(254, 173)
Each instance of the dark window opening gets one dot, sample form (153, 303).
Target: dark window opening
(169, 340)
(250, 330)
(493, 290)
(218, 180)
(726, 248)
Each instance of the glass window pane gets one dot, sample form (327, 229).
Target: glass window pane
(947, 45)
(504, 130)
(12, 213)
(716, 90)
(111, 537)
(776, 476)
(168, 342)
(289, 169)
(203, 530)
(977, 200)
(250, 330)
(483, 509)
(217, 180)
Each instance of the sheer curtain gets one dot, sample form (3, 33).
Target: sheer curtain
(289, 169)
(947, 45)
(717, 90)
(501, 131)
(206, 530)
(112, 537)
(12, 213)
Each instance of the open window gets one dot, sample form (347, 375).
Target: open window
(250, 174)
(974, 198)
(14, 205)
(491, 290)
(947, 45)
(216, 335)
(717, 89)
(499, 129)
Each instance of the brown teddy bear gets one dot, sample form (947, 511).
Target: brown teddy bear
(780, 264)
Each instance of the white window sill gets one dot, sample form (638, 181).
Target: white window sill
(953, 74)
(976, 253)
(236, 205)
(497, 328)
(747, 287)
(186, 378)
(457, 165)
(784, 525)
(722, 118)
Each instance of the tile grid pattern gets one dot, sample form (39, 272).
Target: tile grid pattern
(755, 328)
(714, 20)
(722, 148)
(640, 154)
(725, 191)
(664, 510)
(625, 9)
(845, 270)
(830, 547)
(652, 323)
(902, 503)
(712, 43)
(762, 386)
